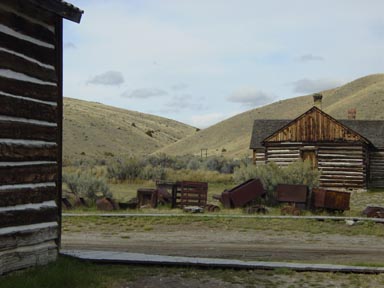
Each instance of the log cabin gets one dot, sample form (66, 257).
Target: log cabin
(349, 153)
(31, 112)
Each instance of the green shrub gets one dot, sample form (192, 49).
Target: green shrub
(193, 164)
(83, 184)
(124, 170)
(198, 175)
(153, 173)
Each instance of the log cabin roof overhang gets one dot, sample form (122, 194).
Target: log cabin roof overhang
(61, 8)
(306, 129)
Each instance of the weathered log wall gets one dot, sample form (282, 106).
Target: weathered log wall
(283, 155)
(259, 156)
(341, 166)
(30, 134)
(376, 176)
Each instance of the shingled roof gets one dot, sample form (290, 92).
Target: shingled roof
(60, 7)
(262, 128)
(373, 130)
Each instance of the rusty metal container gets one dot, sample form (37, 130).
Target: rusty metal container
(374, 212)
(145, 197)
(244, 193)
(226, 199)
(293, 193)
(330, 199)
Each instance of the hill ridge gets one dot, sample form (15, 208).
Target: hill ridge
(231, 136)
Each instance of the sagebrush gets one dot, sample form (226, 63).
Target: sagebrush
(84, 184)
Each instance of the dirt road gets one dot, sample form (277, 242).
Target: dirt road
(244, 245)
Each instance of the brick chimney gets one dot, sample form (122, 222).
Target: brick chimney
(317, 100)
(352, 114)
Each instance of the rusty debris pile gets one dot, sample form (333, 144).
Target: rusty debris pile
(251, 196)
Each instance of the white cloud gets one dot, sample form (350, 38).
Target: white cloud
(250, 96)
(109, 78)
(182, 102)
(144, 93)
(306, 85)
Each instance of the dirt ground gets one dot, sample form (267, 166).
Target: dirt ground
(202, 241)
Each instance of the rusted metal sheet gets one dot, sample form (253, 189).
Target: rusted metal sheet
(292, 193)
(330, 199)
(242, 194)
(147, 197)
(169, 188)
(246, 192)
(226, 199)
(212, 208)
(374, 212)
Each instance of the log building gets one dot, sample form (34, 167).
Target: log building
(31, 111)
(349, 153)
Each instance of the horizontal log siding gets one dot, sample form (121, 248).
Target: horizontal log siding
(27, 256)
(376, 161)
(259, 156)
(28, 235)
(29, 134)
(13, 196)
(283, 155)
(342, 166)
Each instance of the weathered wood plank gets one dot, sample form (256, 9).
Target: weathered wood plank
(27, 131)
(19, 64)
(28, 235)
(28, 174)
(16, 107)
(28, 89)
(26, 27)
(339, 164)
(28, 216)
(30, 10)
(338, 146)
(351, 169)
(41, 54)
(12, 197)
(345, 156)
(23, 257)
(19, 152)
(285, 159)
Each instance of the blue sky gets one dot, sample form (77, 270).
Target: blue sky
(200, 62)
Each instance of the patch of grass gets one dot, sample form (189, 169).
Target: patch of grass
(72, 224)
(68, 272)
(63, 273)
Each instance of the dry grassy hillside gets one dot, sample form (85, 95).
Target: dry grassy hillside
(233, 135)
(93, 130)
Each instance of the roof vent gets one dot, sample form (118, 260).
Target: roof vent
(317, 100)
